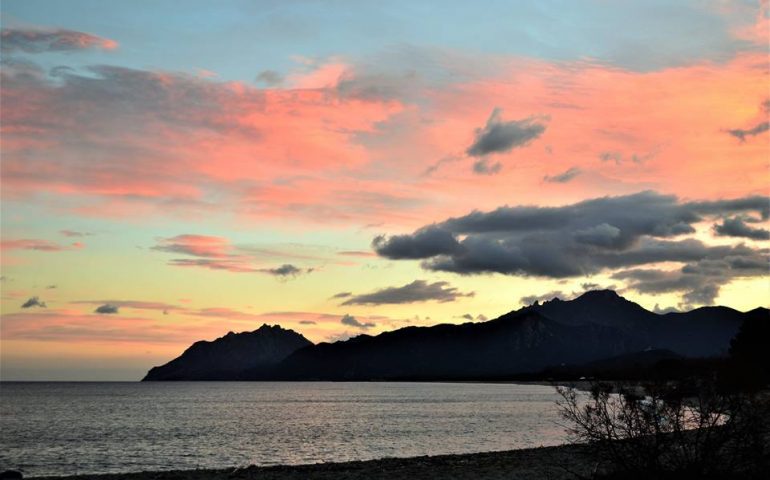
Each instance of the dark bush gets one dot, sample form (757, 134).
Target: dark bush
(748, 367)
(683, 429)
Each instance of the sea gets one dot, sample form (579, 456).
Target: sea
(63, 428)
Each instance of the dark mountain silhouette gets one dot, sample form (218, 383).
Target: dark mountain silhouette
(647, 364)
(597, 326)
(600, 307)
(514, 343)
(702, 332)
(227, 357)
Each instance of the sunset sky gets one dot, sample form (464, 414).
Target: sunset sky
(172, 171)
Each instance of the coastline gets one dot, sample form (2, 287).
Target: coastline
(552, 463)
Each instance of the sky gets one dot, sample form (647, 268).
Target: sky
(171, 171)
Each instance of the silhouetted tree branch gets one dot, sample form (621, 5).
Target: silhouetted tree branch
(685, 429)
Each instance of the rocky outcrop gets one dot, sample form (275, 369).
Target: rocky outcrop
(226, 358)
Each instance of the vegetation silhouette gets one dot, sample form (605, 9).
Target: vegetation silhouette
(713, 424)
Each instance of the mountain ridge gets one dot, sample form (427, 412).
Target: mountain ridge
(227, 356)
(598, 325)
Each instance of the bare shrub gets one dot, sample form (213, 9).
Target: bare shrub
(670, 429)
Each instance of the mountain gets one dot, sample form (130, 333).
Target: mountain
(702, 332)
(523, 342)
(600, 307)
(227, 357)
(597, 326)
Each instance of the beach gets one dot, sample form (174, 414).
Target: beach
(552, 463)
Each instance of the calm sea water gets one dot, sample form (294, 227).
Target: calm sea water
(69, 428)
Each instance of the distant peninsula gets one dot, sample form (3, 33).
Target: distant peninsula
(598, 331)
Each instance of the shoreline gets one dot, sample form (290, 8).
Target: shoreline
(541, 463)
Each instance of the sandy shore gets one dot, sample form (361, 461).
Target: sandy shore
(546, 463)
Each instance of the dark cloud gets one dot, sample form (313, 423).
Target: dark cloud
(34, 302)
(307, 322)
(699, 287)
(485, 167)
(39, 41)
(700, 279)
(470, 317)
(741, 134)
(425, 242)
(563, 177)
(736, 227)
(619, 158)
(758, 204)
(51, 287)
(498, 136)
(417, 291)
(610, 233)
(134, 304)
(587, 286)
(270, 78)
(106, 309)
(616, 157)
(342, 295)
(285, 270)
(353, 322)
(443, 161)
(702, 295)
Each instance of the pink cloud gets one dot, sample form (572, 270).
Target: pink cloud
(73, 233)
(216, 253)
(70, 326)
(169, 153)
(315, 154)
(356, 253)
(38, 245)
(237, 266)
(196, 245)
